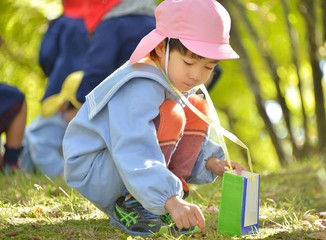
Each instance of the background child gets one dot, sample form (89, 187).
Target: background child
(64, 46)
(13, 112)
(62, 52)
(135, 144)
(43, 137)
(116, 27)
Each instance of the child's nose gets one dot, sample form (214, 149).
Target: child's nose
(195, 75)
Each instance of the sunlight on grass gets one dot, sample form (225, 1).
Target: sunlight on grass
(37, 207)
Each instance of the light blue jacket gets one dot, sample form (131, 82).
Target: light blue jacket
(111, 144)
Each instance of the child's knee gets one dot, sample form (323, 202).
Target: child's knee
(173, 111)
(171, 120)
(199, 103)
(193, 120)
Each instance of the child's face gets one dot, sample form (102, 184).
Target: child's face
(188, 71)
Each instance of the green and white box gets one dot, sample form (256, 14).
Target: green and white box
(239, 206)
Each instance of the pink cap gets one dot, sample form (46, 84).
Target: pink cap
(202, 26)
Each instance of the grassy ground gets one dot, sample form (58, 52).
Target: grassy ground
(292, 206)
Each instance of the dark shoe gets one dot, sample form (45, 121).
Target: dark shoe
(135, 219)
(166, 218)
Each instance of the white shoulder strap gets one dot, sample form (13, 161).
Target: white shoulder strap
(212, 120)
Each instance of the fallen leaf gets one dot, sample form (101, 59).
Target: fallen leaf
(37, 211)
(37, 238)
(322, 214)
(321, 223)
(317, 235)
(306, 223)
(12, 234)
(211, 209)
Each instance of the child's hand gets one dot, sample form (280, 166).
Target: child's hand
(184, 214)
(219, 166)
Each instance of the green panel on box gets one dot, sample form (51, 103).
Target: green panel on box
(229, 220)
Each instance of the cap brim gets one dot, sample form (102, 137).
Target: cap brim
(204, 49)
(210, 50)
(146, 45)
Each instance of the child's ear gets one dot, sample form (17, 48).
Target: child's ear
(160, 49)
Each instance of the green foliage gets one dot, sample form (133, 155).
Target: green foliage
(22, 27)
(270, 47)
(23, 23)
(36, 207)
(236, 107)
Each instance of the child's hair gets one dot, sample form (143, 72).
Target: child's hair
(175, 45)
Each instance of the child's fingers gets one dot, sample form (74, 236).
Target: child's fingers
(193, 218)
(191, 221)
(200, 219)
(238, 168)
(178, 223)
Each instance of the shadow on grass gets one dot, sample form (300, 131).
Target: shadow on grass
(78, 229)
(101, 229)
(291, 201)
(298, 235)
(69, 229)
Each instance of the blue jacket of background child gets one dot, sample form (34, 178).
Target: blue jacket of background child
(62, 51)
(114, 40)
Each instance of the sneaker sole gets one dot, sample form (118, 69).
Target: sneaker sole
(163, 230)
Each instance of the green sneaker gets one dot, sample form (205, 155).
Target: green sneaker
(166, 218)
(134, 219)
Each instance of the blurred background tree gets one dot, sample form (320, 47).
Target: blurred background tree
(22, 25)
(272, 98)
(282, 47)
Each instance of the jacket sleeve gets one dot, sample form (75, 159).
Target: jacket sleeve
(49, 48)
(118, 149)
(135, 147)
(88, 167)
(200, 174)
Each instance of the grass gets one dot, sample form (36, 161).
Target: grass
(35, 207)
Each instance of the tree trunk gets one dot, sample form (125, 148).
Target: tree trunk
(271, 67)
(323, 7)
(307, 9)
(255, 87)
(295, 59)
